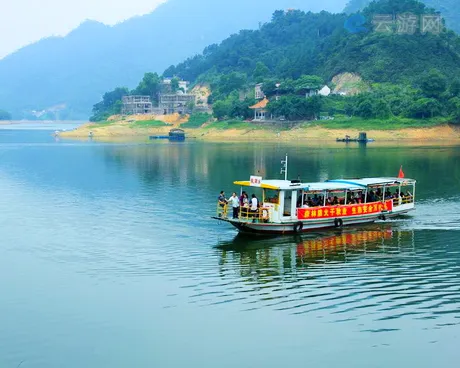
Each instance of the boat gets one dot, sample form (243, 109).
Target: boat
(174, 135)
(293, 207)
(361, 139)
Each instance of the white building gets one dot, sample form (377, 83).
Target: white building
(325, 91)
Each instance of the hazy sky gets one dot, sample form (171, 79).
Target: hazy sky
(26, 21)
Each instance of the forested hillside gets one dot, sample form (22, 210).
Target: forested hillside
(449, 9)
(67, 74)
(405, 75)
(297, 43)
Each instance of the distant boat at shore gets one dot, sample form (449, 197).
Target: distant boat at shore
(361, 139)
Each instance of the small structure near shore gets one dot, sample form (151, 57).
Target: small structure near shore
(361, 139)
(174, 135)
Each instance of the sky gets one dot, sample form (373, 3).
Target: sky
(27, 21)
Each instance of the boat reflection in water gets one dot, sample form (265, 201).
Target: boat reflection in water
(290, 253)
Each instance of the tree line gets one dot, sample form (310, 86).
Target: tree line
(406, 74)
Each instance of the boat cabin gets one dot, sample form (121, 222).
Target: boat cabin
(284, 201)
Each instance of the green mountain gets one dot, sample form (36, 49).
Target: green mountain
(63, 76)
(408, 75)
(297, 43)
(449, 10)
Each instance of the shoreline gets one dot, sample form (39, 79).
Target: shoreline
(123, 132)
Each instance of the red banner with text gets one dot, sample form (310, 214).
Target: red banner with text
(344, 211)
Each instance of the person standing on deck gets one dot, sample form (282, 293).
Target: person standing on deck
(234, 201)
(222, 209)
(254, 204)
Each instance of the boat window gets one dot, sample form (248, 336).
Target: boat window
(335, 197)
(311, 199)
(271, 196)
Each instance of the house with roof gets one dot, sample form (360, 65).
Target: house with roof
(260, 110)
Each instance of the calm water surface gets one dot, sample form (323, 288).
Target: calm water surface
(109, 258)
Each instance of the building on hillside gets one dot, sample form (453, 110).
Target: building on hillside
(166, 86)
(311, 91)
(259, 93)
(260, 110)
(176, 103)
(133, 105)
(325, 91)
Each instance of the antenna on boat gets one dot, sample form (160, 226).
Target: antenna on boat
(284, 167)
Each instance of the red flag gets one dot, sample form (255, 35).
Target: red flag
(401, 173)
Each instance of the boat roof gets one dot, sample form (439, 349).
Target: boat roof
(330, 185)
(295, 185)
(365, 182)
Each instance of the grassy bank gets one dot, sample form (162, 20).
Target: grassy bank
(373, 124)
(203, 128)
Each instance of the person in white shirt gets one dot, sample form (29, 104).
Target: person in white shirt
(254, 204)
(234, 201)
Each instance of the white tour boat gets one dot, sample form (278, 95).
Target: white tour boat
(290, 206)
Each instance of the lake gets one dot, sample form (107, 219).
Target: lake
(109, 258)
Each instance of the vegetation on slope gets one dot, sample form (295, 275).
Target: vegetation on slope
(75, 70)
(408, 75)
(449, 9)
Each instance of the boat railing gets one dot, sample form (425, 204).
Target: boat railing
(261, 214)
(403, 200)
(245, 214)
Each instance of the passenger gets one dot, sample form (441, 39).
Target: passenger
(241, 198)
(335, 201)
(299, 201)
(371, 198)
(254, 204)
(349, 197)
(221, 199)
(234, 201)
(378, 193)
(245, 205)
(388, 194)
(222, 203)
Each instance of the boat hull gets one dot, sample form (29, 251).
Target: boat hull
(294, 227)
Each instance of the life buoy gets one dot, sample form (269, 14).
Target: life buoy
(298, 227)
(338, 222)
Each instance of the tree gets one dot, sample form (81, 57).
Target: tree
(454, 88)
(110, 104)
(240, 109)
(296, 107)
(221, 109)
(4, 115)
(174, 85)
(454, 107)
(306, 82)
(365, 109)
(424, 108)
(149, 86)
(433, 83)
(260, 72)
